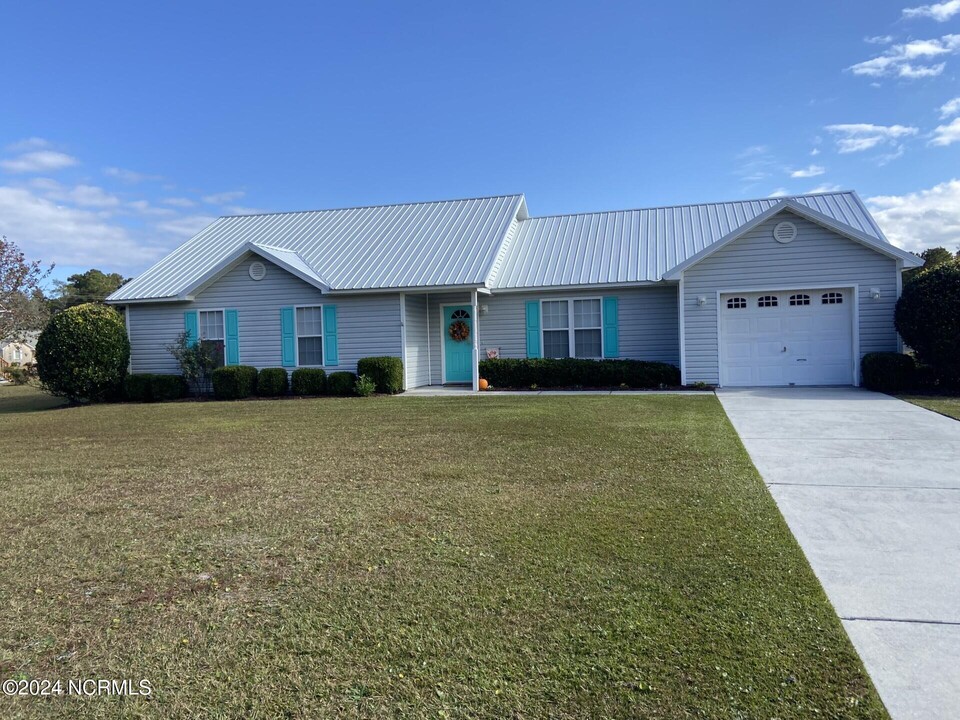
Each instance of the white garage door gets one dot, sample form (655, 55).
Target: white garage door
(798, 337)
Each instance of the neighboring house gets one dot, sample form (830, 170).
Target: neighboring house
(778, 291)
(19, 352)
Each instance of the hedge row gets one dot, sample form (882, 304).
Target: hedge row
(149, 387)
(571, 372)
(893, 372)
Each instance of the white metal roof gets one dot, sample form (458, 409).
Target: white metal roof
(628, 246)
(477, 242)
(431, 244)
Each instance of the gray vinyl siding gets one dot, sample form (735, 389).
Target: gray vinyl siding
(418, 345)
(366, 324)
(647, 323)
(756, 261)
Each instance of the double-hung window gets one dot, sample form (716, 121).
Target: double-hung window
(572, 328)
(310, 336)
(212, 334)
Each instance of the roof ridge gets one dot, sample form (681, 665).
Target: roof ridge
(682, 205)
(370, 207)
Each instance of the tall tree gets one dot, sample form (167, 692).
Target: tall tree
(90, 286)
(932, 258)
(21, 292)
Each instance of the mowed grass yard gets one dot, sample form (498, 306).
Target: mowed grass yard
(944, 404)
(524, 557)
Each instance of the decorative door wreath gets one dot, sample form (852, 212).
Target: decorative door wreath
(458, 329)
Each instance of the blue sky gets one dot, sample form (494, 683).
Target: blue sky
(126, 128)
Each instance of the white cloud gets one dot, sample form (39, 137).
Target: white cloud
(815, 152)
(857, 137)
(38, 161)
(66, 235)
(951, 107)
(920, 220)
(185, 227)
(224, 197)
(879, 39)
(755, 163)
(779, 192)
(941, 12)
(179, 202)
(33, 143)
(145, 208)
(808, 172)
(244, 210)
(131, 177)
(946, 134)
(905, 59)
(825, 188)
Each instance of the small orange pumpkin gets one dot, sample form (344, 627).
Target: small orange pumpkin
(484, 384)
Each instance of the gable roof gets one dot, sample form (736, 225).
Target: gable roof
(445, 243)
(485, 242)
(646, 245)
(797, 208)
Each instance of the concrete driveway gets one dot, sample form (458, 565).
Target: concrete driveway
(870, 487)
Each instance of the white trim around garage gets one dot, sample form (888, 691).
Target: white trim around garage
(854, 319)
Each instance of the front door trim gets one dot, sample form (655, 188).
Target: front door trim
(443, 337)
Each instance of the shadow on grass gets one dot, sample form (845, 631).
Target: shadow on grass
(25, 399)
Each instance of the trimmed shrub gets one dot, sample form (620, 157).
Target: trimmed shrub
(341, 383)
(308, 381)
(365, 386)
(928, 319)
(572, 372)
(385, 371)
(150, 387)
(234, 382)
(888, 372)
(82, 353)
(272, 382)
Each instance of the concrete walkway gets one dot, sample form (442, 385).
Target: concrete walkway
(870, 486)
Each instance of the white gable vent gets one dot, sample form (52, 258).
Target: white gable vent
(258, 271)
(784, 232)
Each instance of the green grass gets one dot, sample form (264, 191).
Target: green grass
(26, 398)
(944, 404)
(523, 557)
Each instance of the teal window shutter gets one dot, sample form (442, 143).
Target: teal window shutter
(288, 338)
(232, 328)
(611, 330)
(533, 329)
(191, 326)
(331, 354)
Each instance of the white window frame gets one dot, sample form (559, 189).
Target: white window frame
(571, 329)
(223, 326)
(17, 354)
(296, 338)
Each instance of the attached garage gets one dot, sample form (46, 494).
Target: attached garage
(787, 337)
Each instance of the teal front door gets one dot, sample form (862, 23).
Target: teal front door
(457, 344)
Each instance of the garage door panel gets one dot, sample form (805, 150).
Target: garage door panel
(787, 344)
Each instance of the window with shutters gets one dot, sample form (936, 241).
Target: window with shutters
(572, 328)
(309, 328)
(212, 334)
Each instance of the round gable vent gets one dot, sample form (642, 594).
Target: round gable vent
(784, 232)
(258, 271)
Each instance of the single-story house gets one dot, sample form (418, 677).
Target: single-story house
(779, 291)
(18, 351)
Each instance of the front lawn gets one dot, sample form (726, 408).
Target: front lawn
(944, 404)
(570, 557)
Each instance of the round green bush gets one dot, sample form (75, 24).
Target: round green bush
(888, 372)
(234, 382)
(83, 352)
(386, 372)
(308, 381)
(928, 319)
(341, 383)
(272, 382)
